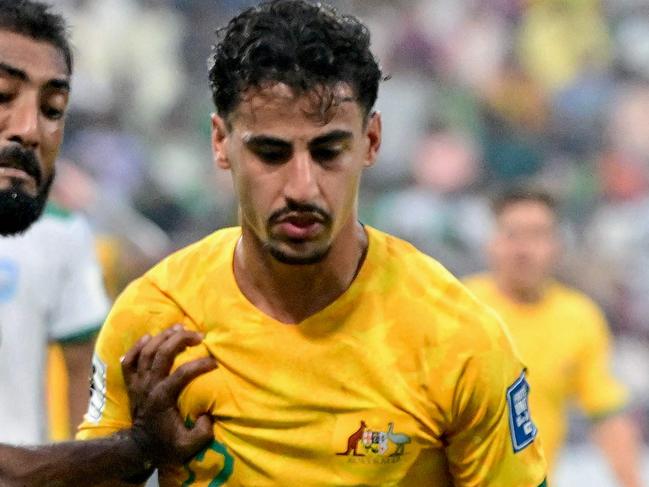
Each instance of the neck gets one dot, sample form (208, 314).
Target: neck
(292, 293)
(521, 294)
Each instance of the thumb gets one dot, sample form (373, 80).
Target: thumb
(199, 436)
(203, 428)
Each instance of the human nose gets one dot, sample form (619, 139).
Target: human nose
(302, 183)
(24, 123)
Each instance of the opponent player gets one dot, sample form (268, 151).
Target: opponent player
(35, 68)
(51, 291)
(561, 333)
(346, 357)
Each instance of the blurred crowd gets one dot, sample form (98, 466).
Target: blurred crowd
(482, 94)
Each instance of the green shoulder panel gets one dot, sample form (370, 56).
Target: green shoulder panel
(56, 211)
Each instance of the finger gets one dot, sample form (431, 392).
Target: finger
(199, 436)
(170, 348)
(148, 351)
(171, 387)
(130, 359)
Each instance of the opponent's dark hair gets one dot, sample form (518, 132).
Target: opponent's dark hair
(303, 45)
(520, 194)
(36, 20)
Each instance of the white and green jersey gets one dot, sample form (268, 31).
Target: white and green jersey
(50, 290)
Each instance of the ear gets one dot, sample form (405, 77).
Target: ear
(219, 142)
(373, 135)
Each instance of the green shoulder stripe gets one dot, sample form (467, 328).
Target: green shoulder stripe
(544, 483)
(83, 336)
(56, 211)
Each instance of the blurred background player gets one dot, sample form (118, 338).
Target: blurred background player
(561, 334)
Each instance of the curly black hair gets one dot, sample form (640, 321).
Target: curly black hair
(36, 20)
(309, 47)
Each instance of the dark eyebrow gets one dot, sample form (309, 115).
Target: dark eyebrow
(58, 84)
(333, 136)
(13, 72)
(257, 140)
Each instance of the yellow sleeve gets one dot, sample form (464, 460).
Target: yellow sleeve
(142, 308)
(599, 393)
(493, 441)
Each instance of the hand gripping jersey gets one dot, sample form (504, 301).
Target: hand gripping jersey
(50, 290)
(565, 342)
(404, 380)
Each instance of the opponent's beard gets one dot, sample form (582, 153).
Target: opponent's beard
(19, 210)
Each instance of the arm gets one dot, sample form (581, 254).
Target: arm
(158, 435)
(492, 441)
(78, 357)
(491, 438)
(618, 438)
(602, 397)
(71, 463)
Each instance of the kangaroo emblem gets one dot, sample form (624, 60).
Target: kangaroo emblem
(352, 441)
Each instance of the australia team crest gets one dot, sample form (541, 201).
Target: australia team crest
(376, 443)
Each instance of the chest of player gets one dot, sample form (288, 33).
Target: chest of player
(29, 290)
(294, 408)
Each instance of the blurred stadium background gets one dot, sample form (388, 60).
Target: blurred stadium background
(483, 94)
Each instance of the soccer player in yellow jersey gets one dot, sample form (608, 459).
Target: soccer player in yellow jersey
(346, 357)
(561, 333)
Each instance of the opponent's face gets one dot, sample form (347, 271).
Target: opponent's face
(296, 170)
(34, 88)
(525, 246)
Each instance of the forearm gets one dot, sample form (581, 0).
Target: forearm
(72, 463)
(619, 440)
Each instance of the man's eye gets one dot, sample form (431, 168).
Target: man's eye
(5, 97)
(324, 154)
(274, 156)
(52, 113)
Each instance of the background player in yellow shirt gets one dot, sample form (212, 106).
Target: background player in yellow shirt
(561, 334)
(346, 357)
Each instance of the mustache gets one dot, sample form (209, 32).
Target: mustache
(16, 157)
(294, 207)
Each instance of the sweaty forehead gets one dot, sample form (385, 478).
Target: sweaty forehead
(278, 105)
(39, 60)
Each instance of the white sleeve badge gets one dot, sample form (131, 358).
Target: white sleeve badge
(522, 429)
(97, 390)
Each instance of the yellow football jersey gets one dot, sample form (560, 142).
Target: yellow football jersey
(564, 341)
(404, 380)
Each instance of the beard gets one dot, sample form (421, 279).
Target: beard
(18, 209)
(309, 259)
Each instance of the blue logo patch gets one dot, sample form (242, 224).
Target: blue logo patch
(8, 279)
(522, 428)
